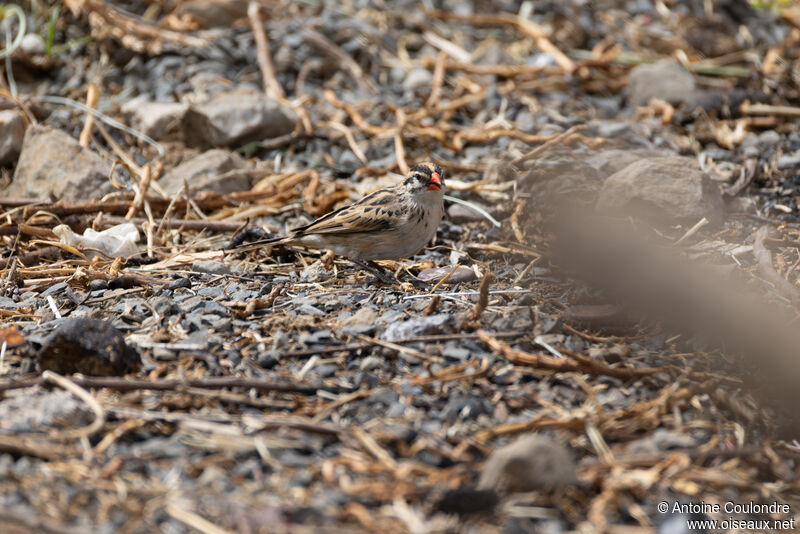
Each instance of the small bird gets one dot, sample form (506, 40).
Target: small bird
(391, 223)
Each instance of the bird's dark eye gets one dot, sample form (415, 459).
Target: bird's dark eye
(421, 178)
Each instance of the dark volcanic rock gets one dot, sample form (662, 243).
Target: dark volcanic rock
(88, 346)
(466, 501)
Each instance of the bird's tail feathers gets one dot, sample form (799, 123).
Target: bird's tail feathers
(253, 245)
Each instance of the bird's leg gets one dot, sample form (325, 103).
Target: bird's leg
(327, 260)
(413, 280)
(419, 284)
(377, 270)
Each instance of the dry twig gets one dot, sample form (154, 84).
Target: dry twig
(272, 87)
(92, 97)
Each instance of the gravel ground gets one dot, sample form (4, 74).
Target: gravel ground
(250, 389)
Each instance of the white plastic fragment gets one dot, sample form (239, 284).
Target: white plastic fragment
(52, 303)
(117, 241)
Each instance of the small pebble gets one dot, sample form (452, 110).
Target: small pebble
(314, 273)
(164, 354)
(327, 370)
(55, 289)
(365, 378)
(369, 363)
(210, 267)
(418, 77)
(269, 359)
(422, 326)
(33, 44)
(180, 282)
(437, 274)
(122, 282)
(210, 292)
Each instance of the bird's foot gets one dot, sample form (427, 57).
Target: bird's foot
(418, 284)
(377, 271)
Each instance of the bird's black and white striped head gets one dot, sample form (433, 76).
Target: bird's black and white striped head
(425, 178)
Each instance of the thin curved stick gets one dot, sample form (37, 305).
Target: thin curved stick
(85, 396)
(7, 11)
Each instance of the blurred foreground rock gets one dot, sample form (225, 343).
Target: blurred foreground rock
(36, 409)
(659, 284)
(529, 463)
(663, 188)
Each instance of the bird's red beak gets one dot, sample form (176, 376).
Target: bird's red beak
(436, 182)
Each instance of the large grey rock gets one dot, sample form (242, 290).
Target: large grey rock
(155, 119)
(53, 165)
(236, 118)
(12, 132)
(531, 462)
(216, 170)
(665, 80)
(662, 188)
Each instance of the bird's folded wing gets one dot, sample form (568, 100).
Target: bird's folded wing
(349, 220)
(370, 214)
